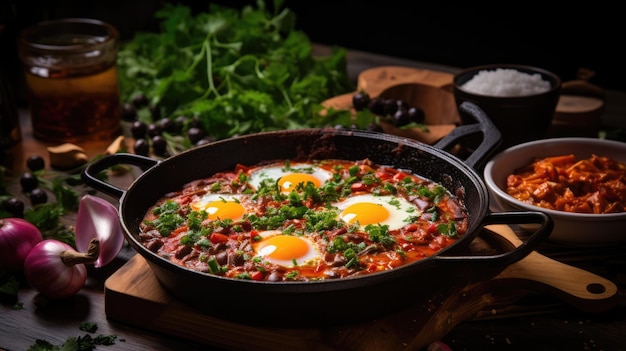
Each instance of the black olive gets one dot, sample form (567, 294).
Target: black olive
(38, 196)
(28, 181)
(159, 145)
(15, 207)
(35, 163)
(141, 147)
(138, 129)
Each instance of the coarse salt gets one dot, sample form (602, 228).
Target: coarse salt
(506, 82)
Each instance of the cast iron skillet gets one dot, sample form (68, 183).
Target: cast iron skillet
(330, 301)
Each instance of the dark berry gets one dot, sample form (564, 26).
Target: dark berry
(35, 163)
(138, 129)
(38, 196)
(376, 106)
(155, 111)
(140, 100)
(167, 125)
(402, 104)
(360, 101)
(154, 129)
(129, 112)
(195, 122)
(374, 127)
(401, 118)
(28, 181)
(141, 147)
(202, 141)
(15, 207)
(389, 107)
(180, 122)
(195, 134)
(416, 114)
(159, 145)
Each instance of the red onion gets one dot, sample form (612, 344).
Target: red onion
(17, 238)
(56, 270)
(99, 219)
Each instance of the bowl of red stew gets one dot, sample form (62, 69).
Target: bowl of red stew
(579, 182)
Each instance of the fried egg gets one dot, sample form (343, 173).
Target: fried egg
(222, 206)
(365, 209)
(289, 177)
(286, 250)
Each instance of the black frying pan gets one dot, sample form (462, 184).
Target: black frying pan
(329, 301)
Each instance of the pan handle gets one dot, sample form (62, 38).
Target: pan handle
(491, 137)
(545, 222)
(89, 174)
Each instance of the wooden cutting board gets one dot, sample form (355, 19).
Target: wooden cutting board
(133, 295)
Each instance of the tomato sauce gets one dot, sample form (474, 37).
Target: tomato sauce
(593, 185)
(294, 221)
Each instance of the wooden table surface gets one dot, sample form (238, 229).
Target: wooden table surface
(538, 322)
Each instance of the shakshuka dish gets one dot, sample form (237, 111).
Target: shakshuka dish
(303, 221)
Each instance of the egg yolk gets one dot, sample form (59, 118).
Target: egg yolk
(288, 182)
(283, 247)
(365, 213)
(224, 210)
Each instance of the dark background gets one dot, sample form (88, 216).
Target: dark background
(585, 41)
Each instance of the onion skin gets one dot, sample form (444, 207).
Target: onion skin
(99, 219)
(56, 270)
(17, 238)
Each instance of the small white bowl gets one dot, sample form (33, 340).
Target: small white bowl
(569, 228)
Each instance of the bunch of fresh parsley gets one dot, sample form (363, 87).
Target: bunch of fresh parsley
(236, 71)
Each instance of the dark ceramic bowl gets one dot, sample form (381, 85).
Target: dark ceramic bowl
(519, 118)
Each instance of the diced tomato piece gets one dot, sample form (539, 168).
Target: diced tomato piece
(384, 174)
(217, 238)
(253, 234)
(399, 176)
(432, 229)
(411, 227)
(182, 228)
(355, 187)
(258, 276)
(243, 168)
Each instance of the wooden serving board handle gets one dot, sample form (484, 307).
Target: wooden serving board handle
(582, 289)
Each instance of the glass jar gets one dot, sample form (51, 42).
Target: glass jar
(71, 79)
(10, 132)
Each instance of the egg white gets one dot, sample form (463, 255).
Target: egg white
(275, 172)
(399, 210)
(266, 250)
